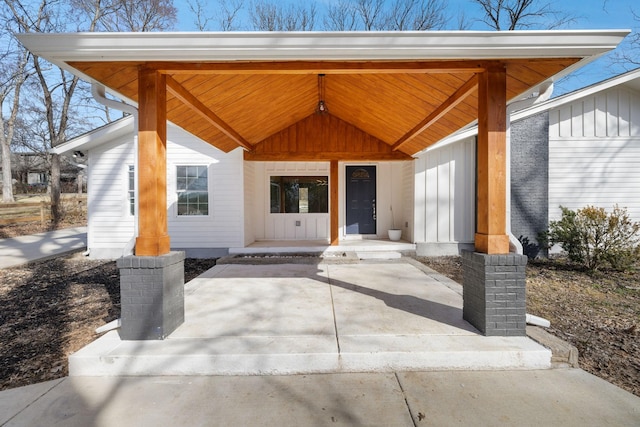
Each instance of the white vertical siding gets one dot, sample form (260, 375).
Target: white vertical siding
(444, 199)
(249, 201)
(598, 163)
(408, 194)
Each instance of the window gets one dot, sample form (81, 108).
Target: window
(131, 189)
(193, 190)
(299, 194)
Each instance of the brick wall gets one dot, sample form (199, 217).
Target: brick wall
(530, 180)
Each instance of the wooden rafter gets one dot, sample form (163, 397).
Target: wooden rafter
(197, 106)
(459, 95)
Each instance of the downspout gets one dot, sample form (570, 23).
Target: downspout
(99, 94)
(544, 94)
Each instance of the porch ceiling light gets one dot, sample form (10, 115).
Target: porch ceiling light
(322, 105)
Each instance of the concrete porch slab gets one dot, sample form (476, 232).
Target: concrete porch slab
(313, 318)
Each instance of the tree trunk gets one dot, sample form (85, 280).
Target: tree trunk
(56, 208)
(7, 179)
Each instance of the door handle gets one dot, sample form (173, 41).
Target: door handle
(374, 209)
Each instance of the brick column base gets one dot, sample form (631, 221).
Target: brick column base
(494, 299)
(151, 295)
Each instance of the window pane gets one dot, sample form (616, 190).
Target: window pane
(193, 190)
(299, 194)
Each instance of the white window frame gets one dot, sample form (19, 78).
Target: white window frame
(177, 192)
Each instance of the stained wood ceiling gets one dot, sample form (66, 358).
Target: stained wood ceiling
(407, 105)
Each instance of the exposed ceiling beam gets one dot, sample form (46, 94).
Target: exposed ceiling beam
(458, 96)
(196, 105)
(320, 67)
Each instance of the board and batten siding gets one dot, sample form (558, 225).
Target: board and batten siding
(444, 201)
(594, 153)
(111, 227)
(285, 226)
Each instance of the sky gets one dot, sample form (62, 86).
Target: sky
(589, 14)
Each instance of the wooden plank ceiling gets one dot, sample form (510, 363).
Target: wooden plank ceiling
(406, 105)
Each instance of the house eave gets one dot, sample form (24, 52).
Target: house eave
(272, 46)
(96, 137)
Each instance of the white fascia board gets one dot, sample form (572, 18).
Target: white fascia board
(273, 46)
(96, 137)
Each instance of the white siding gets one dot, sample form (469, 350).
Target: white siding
(445, 194)
(250, 205)
(597, 163)
(111, 227)
(224, 226)
(408, 183)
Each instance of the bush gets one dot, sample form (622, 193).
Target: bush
(593, 238)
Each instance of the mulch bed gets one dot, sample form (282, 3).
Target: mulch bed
(50, 309)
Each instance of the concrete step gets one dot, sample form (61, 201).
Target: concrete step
(110, 356)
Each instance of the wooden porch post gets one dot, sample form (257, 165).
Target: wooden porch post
(491, 237)
(334, 186)
(153, 238)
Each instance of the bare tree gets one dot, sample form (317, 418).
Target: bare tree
(226, 14)
(266, 16)
(13, 74)
(53, 97)
(396, 15)
(137, 15)
(417, 15)
(522, 14)
(340, 16)
(371, 12)
(627, 55)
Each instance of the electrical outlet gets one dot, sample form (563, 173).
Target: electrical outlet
(298, 224)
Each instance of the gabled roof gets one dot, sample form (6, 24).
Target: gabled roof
(406, 89)
(630, 79)
(97, 137)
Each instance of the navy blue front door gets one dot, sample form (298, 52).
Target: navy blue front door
(361, 199)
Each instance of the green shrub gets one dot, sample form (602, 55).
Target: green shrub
(594, 239)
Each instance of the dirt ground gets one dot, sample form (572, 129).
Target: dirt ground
(599, 313)
(51, 309)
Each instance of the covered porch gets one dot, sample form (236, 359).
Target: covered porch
(337, 98)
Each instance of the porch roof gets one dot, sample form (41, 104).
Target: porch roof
(407, 90)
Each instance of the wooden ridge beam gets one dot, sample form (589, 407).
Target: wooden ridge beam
(458, 96)
(320, 67)
(196, 105)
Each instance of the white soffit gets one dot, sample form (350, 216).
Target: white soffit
(273, 46)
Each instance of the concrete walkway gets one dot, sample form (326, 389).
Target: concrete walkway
(555, 397)
(318, 317)
(21, 250)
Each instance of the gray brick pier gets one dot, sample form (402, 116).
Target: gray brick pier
(494, 299)
(152, 295)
